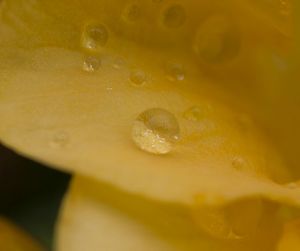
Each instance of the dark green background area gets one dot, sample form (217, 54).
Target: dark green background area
(31, 194)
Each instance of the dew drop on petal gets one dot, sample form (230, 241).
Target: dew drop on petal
(238, 163)
(194, 113)
(138, 77)
(285, 7)
(175, 71)
(155, 131)
(94, 37)
(293, 185)
(234, 221)
(217, 40)
(91, 64)
(60, 139)
(132, 13)
(174, 16)
(118, 63)
(244, 217)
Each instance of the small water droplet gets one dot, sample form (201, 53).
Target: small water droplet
(285, 7)
(91, 64)
(118, 63)
(217, 40)
(60, 139)
(175, 71)
(138, 77)
(174, 16)
(155, 131)
(292, 185)
(132, 13)
(94, 37)
(194, 113)
(238, 162)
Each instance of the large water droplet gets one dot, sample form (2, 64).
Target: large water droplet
(91, 64)
(155, 131)
(138, 77)
(175, 71)
(217, 40)
(94, 37)
(174, 16)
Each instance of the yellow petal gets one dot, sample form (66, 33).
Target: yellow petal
(98, 216)
(78, 121)
(13, 238)
(290, 240)
(277, 13)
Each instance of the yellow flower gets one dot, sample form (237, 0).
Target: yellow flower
(178, 119)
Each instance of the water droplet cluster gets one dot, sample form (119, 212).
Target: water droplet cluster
(215, 41)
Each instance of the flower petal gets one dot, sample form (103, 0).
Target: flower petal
(13, 238)
(290, 240)
(78, 121)
(97, 216)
